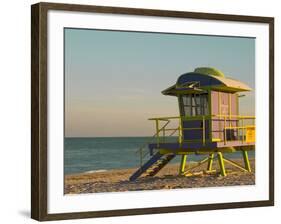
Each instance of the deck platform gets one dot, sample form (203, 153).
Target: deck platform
(199, 146)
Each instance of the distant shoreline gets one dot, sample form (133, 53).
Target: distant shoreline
(115, 137)
(112, 170)
(118, 180)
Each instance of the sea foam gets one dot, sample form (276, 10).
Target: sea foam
(95, 171)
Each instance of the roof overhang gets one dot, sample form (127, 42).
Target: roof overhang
(218, 83)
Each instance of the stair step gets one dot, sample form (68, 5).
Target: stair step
(149, 170)
(153, 165)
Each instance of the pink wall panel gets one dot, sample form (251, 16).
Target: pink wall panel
(225, 109)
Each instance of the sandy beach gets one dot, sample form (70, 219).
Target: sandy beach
(167, 178)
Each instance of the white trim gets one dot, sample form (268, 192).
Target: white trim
(58, 203)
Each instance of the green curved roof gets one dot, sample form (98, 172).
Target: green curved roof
(209, 71)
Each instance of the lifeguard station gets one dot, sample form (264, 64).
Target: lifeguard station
(209, 124)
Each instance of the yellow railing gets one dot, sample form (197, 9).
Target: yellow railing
(163, 130)
(241, 125)
(141, 152)
(228, 120)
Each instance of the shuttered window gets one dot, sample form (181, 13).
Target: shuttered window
(194, 104)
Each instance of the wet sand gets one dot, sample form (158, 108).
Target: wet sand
(167, 178)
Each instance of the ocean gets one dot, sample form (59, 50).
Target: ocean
(106, 153)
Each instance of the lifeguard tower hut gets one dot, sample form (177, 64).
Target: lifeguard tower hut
(209, 124)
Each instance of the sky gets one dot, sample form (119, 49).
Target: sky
(114, 79)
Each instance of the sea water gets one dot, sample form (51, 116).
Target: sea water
(107, 153)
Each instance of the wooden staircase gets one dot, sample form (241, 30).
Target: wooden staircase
(156, 167)
(153, 165)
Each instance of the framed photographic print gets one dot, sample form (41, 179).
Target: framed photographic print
(141, 111)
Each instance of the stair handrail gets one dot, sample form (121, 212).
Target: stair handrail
(140, 150)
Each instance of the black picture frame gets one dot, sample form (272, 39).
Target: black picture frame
(39, 105)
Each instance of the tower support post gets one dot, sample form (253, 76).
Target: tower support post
(246, 161)
(221, 162)
(182, 164)
(210, 162)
